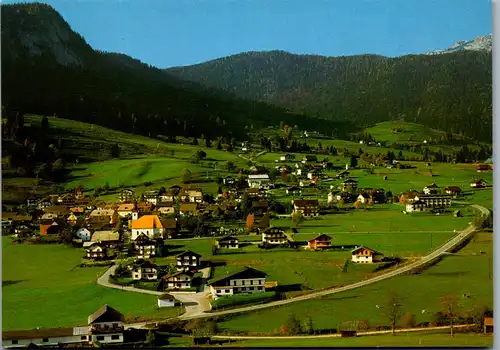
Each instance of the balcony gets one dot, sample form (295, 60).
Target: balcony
(105, 329)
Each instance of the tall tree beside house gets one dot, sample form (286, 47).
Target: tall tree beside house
(150, 338)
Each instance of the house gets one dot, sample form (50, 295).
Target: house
(321, 242)
(191, 195)
(229, 242)
(309, 159)
(308, 207)
(178, 280)
(246, 280)
(165, 208)
(107, 238)
(488, 325)
(349, 185)
(342, 174)
(274, 235)
(150, 225)
(127, 196)
(84, 234)
(286, 157)
(435, 200)
(453, 190)
(151, 196)
(188, 208)
(106, 325)
(167, 300)
(147, 247)
(125, 210)
(72, 219)
(111, 214)
(483, 167)
(96, 251)
(228, 180)
(258, 181)
(365, 255)
(144, 270)
(478, 184)
(188, 261)
(306, 183)
(415, 206)
(363, 198)
(294, 190)
(431, 189)
(43, 337)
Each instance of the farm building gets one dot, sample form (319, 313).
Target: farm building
(309, 159)
(188, 261)
(274, 235)
(478, 184)
(247, 280)
(483, 167)
(349, 185)
(431, 189)
(307, 207)
(178, 280)
(452, 190)
(365, 255)
(229, 242)
(321, 242)
(145, 271)
(166, 300)
(96, 251)
(127, 196)
(258, 181)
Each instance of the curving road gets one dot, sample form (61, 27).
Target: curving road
(200, 300)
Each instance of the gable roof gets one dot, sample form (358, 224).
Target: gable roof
(359, 248)
(433, 185)
(180, 273)
(188, 252)
(105, 314)
(320, 238)
(306, 202)
(147, 222)
(247, 272)
(453, 188)
(488, 321)
(40, 333)
(126, 207)
(167, 296)
(227, 238)
(104, 236)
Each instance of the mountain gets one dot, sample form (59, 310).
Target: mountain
(49, 69)
(450, 92)
(480, 43)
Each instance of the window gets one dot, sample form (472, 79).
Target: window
(100, 337)
(115, 337)
(14, 342)
(260, 281)
(115, 325)
(251, 288)
(259, 288)
(227, 291)
(83, 337)
(242, 283)
(251, 282)
(45, 340)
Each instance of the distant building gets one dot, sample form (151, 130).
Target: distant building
(274, 235)
(259, 181)
(245, 281)
(364, 255)
(321, 242)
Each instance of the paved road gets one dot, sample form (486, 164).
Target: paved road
(337, 335)
(201, 299)
(104, 281)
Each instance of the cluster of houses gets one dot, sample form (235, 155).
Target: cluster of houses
(105, 326)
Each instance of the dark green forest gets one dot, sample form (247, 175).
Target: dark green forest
(49, 69)
(451, 92)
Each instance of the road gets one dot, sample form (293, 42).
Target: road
(198, 303)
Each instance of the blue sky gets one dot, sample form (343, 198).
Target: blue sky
(169, 33)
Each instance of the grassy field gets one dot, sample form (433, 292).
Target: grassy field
(467, 272)
(43, 287)
(400, 340)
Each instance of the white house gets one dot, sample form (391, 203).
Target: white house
(106, 325)
(258, 181)
(84, 234)
(151, 197)
(178, 280)
(274, 235)
(415, 206)
(365, 255)
(145, 271)
(166, 300)
(431, 189)
(246, 281)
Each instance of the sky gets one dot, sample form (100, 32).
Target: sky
(167, 33)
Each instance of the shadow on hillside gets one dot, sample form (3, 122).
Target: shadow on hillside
(11, 282)
(449, 274)
(289, 287)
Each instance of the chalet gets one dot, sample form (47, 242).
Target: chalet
(144, 270)
(342, 174)
(308, 207)
(435, 200)
(165, 208)
(488, 325)
(377, 195)
(294, 190)
(478, 184)
(125, 210)
(191, 196)
(306, 183)
(365, 255)
(349, 185)
(309, 159)
(363, 198)
(45, 337)
(106, 326)
(452, 190)
(167, 300)
(188, 261)
(415, 206)
(96, 251)
(274, 235)
(286, 157)
(178, 280)
(321, 242)
(150, 225)
(188, 208)
(127, 196)
(169, 195)
(431, 189)
(151, 197)
(84, 234)
(483, 167)
(247, 280)
(258, 181)
(409, 196)
(228, 180)
(146, 247)
(107, 238)
(229, 242)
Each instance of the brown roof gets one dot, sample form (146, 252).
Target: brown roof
(321, 238)
(166, 297)
(306, 202)
(189, 207)
(126, 207)
(104, 314)
(37, 333)
(8, 214)
(169, 223)
(488, 321)
(453, 188)
(57, 209)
